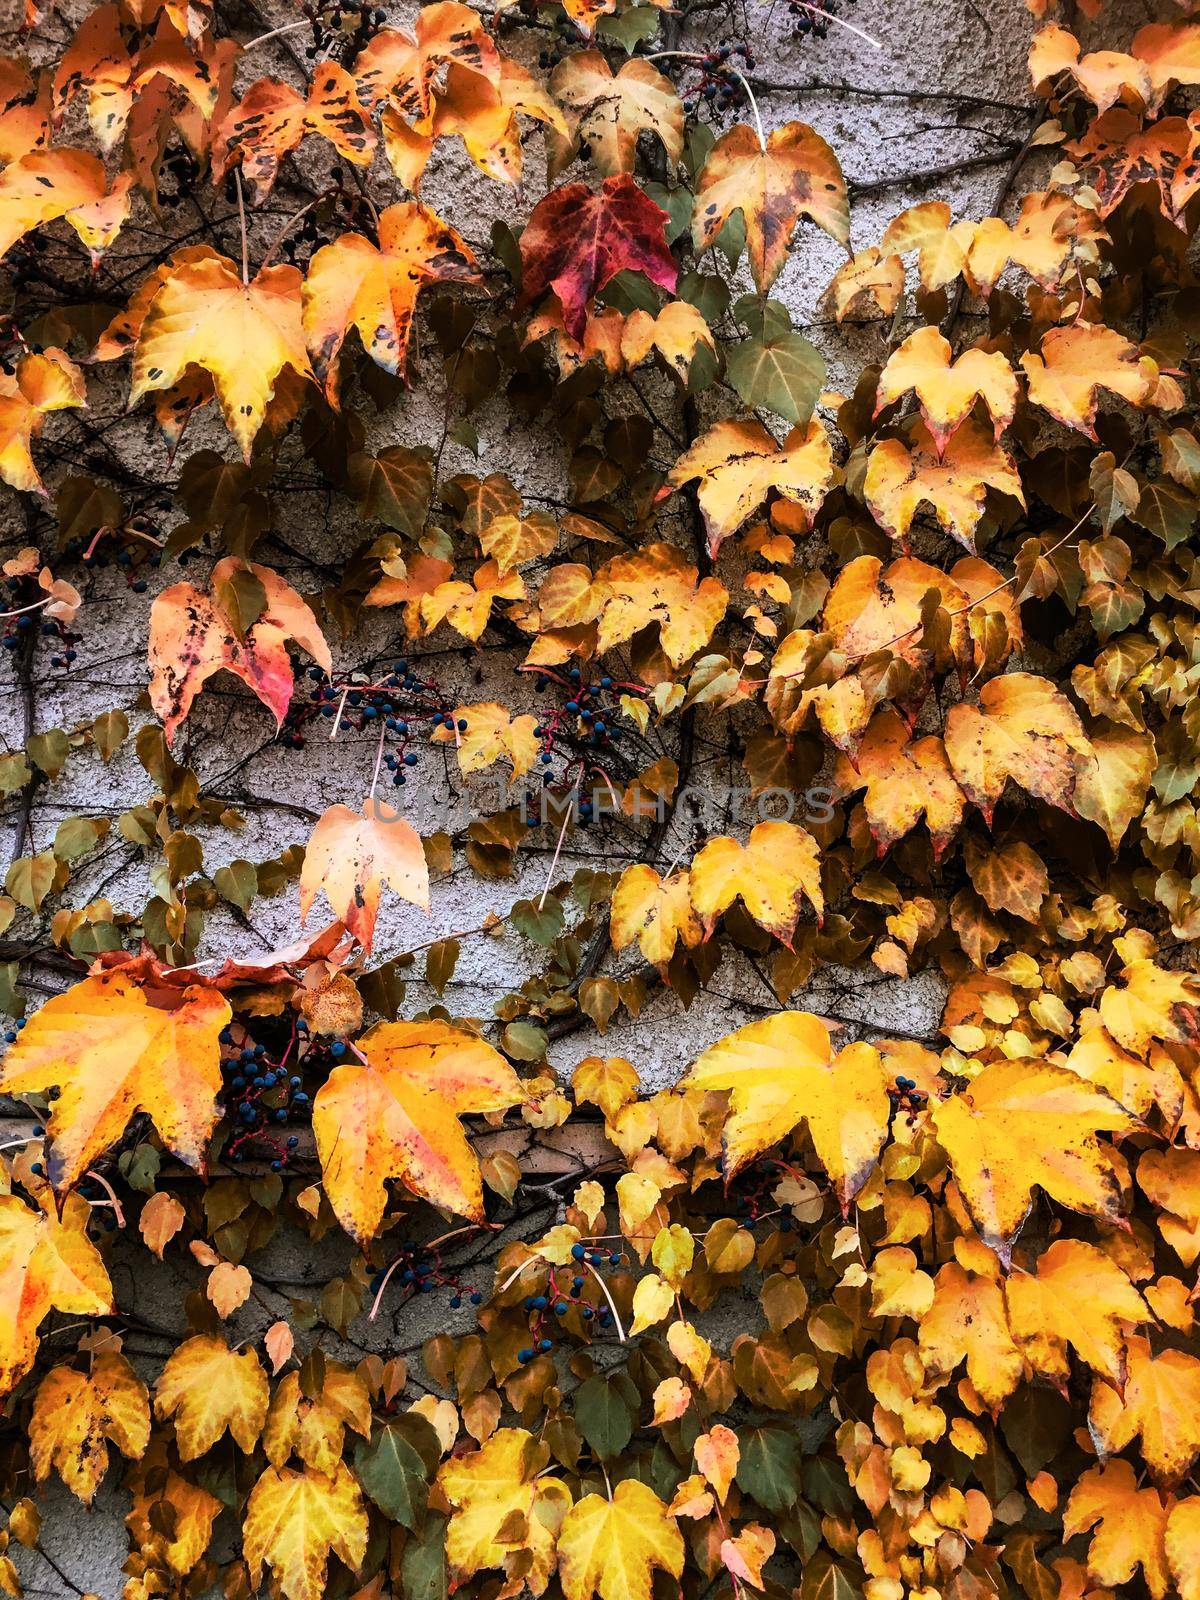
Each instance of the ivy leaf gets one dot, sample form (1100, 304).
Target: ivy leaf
(778, 369)
(1023, 729)
(208, 1389)
(111, 1052)
(47, 1262)
(395, 1115)
(75, 1414)
(739, 463)
(505, 1513)
(352, 854)
(272, 119)
(394, 1473)
(577, 240)
(612, 1546)
(295, 1520)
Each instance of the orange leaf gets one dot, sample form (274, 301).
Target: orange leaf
(351, 854)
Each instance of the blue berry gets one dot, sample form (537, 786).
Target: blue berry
(545, 1344)
(577, 1252)
(410, 758)
(476, 1298)
(337, 1048)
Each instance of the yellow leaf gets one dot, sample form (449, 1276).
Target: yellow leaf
(655, 911)
(47, 1262)
(653, 1299)
(314, 1429)
(947, 389)
(1160, 1403)
(1130, 1526)
(772, 873)
(228, 1287)
(717, 1455)
(208, 1389)
(1077, 361)
(76, 1413)
(294, 1520)
(781, 1071)
(352, 854)
(902, 477)
(161, 1219)
(740, 463)
(611, 1547)
(1078, 1297)
(1022, 729)
(968, 1322)
(503, 1510)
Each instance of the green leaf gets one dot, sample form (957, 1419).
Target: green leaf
(237, 883)
(15, 772)
(394, 487)
(542, 924)
(523, 1041)
(393, 1474)
(781, 371)
(630, 28)
(769, 1466)
(423, 1574)
(109, 732)
(76, 836)
(48, 751)
(243, 599)
(605, 1408)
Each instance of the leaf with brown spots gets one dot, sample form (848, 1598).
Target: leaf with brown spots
(351, 854)
(351, 283)
(1022, 729)
(39, 385)
(193, 635)
(578, 239)
(606, 112)
(406, 68)
(271, 119)
(795, 175)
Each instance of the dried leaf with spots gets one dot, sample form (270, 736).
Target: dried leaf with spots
(244, 334)
(954, 481)
(794, 175)
(295, 1520)
(773, 873)
(1023, 729)
(406, 68)
(373, 289)
(607, 110)
(676, 334)
(112, 1049)
(1026, 1124)
(352, 854)
(781, 1071)
(655, 911)
(193, 635)
(46, 184)
(272, 119)
(76, 1415)
(657, 585)
(313, 1427)
(577, 240)
(739, 464)
(394, 1114)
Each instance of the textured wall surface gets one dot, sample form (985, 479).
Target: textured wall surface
(939, 111)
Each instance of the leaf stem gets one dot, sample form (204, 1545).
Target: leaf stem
(237, 179)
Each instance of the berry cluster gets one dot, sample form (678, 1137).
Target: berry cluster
(419, 1269)
(564, 37)
(22, 617)
(906, 1095)
(812, 17)
(396, 705)
(263, 1094)
(343, 28)
(720, 84)
(546, 1310)
(586, 721)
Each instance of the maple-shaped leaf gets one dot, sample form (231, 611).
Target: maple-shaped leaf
(906, 780)
(1022, 1125)
(1022, 729)
(1183, 1546)
(1075, 363)
(611, 1545)
(40, 384)
(967, 1321)
(394, 1114)
(676, 334)
(606, 111)
(352, 854)
(773, 873)
(942, 246)
(1104, 76)
(467, 607)
(110, 1051)
(47, 184)
(506, 1510)
(794, 175)
(313, 1427)
(208, 1389)
(480, 110)
(76, 1414)
(740, 463)
(406, 67)
(869, 285)
(295, 1520)
(954, 480)
(244, 334)
(657, 585)
(655, 911)
(1118, 154)
(1077, 1297)
(195, 633)
(1133, 1083)
(1151, 1004)
(272, 119)
(947, 389)
(782, 1071)
(1171, 1180)
(1160, 1404)
(47, 1263)
(578, 239)
(351, 283)
(487, 732)
(1049, 231)
(1130, 1526)
(153, 1482)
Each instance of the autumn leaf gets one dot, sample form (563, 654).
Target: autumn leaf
(352, 854)
(1076, 1296)
(1022, 1125)
(739, 464)
(777, 868)
(111, 1051)
(506, 1511)
(677, 333)
(76, 1414)
(313, 1427)
(406, 67)
(1075, 363)
(947, 390)
(1129, 1522)
(394, 1114)
(192, 1509)
(781, 1071)
(39, 385)
(953, 480)
(611, 1546)
(194, 634)
(577, 240)
(906, 780)
(487, 732)
(353, 283)
(209, 1389)
(47, 1262)
(271, 119)
(606, 111)
(967, 1321)
(46, 184)
(656, 585)
(1111, 789)
(655, 911)
(794, 175)
(244, 334)
(1160, 1404)
(468, 606)
(1023, 729)
(296, 1520)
